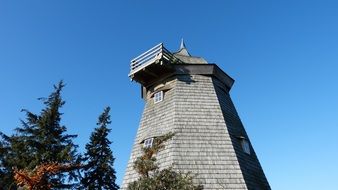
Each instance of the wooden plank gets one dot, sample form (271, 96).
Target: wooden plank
(160, 44)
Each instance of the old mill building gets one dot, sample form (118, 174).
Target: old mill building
(187, 95)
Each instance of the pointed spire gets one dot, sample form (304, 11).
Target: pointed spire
(183, 50)
(182, 46)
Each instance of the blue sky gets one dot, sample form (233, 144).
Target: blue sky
(282, 54)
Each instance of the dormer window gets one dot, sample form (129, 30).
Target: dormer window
(148, 143)
(245, 146)
(158, 97)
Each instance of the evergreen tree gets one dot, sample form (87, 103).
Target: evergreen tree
(99, 173)
(6, 179)
(42, 139)
(152, 178)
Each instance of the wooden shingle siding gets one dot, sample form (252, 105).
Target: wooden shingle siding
(205, 148)
(250, 166)
(198, 108)
(157, 119)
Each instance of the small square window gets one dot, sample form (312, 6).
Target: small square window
(245, 146)
(148, 143)
(158, 97)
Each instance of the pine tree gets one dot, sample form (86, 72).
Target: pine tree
(152, 178)
(42, 139)
(99, 173)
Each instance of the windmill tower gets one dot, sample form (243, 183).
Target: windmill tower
(189, 96)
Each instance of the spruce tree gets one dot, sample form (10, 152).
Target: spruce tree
(42, 139)
(99, 173)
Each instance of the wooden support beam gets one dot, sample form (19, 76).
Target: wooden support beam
(150, 73)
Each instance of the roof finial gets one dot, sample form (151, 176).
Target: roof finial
(182, 46)
(183, 50)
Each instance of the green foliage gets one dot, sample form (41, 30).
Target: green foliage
(99, 173)
(166, 179)
(40, 139)
(152, 178)
(6, 179)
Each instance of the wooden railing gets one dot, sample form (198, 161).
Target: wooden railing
(158, 52)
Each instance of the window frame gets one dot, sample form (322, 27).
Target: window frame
(246, 146)
(158, 97)
(148, 143)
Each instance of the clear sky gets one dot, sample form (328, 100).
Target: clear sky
(282, 54)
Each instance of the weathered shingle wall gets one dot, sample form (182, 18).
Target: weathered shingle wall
(207, 125)
(157, 119)
(250, 166)
(202, 144)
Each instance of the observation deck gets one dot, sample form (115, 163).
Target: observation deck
(152, 64)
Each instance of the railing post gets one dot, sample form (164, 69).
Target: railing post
(155, 53)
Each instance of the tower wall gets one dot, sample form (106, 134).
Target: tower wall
(203, 145)
(249, 163)
(199, 110)
(157, 119)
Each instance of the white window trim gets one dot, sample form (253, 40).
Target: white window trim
(158, 97)
(148, 143)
